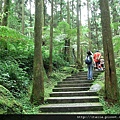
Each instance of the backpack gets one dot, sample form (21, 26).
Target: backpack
(88, 60)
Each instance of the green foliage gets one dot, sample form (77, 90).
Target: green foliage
(118, 77)
(109, 108)
(16, 53)
(69, 70)
(14, 42)
(13, 78)
(53, 79)
(18, 47)
(116, 43)
(8, 103)
(64, 27)
(115, 25)
(58, 58)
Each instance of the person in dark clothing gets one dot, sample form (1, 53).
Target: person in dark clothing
(90, 66)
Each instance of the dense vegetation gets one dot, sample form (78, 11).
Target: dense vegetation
(17, 50)
(16, 65)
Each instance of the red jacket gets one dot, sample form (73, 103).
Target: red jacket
(97, 56)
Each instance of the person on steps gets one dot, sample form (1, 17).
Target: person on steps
(96, 57)
(89, 62)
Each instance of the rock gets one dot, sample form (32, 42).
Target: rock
(8, 104)
(96, 87)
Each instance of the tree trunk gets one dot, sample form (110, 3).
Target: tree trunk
(78, 63)
(23, 9)
(72, 13)
(5, 12)
(1, 6)
(89, 32)
(51, 40)
(111, 86)
(30, 14)
(37, 96)
(61, 4)
(0, 10)
(68, 39)
(115, 16)
(68, 12)
(44, 13)
(96, 27)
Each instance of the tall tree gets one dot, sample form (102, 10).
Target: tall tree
(37, 96)
(51, 40)
(23, 9)
(89, 26)
(72, 13)
(68, 12)
(114, 4)
(61, 4)
(78, 63)
(111, 86)
(1, 1)
(81, 48)
(30, 13)
(95, 24)
(5, 12)
(67, 40)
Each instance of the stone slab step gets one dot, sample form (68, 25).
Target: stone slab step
(80, 78)
(84, 99)
(73, 93)
(75, 113)
(73, 85)
(69, 79)
(84, 75)
(71, 107)
(75, 81)
(61, 89)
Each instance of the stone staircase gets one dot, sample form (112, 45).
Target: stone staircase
(72, 96)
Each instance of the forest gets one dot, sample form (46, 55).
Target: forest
(44, 41)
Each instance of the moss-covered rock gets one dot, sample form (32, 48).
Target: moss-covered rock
(8, 104)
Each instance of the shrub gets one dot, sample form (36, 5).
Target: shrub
(13, 78)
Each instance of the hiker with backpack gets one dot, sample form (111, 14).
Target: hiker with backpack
(89, 62)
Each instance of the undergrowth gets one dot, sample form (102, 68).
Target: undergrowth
(109, 108)
(48, 85)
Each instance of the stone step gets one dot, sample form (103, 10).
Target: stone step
(71, 107)
(79, 77)
(73, 84)
(61, 89)
(74, 78)
(75, 81)
(72, 96)
(85, 73)
(73, 93)
(68, 79)
(83, 99)
(74, 113)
